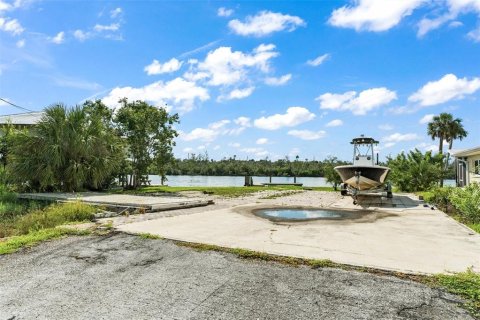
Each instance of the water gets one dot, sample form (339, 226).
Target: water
(301, 214)
(236, 181)
(232, 181)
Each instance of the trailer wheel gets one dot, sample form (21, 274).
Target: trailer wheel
(389, 195)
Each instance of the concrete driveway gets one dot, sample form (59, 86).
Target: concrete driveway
(399, 234)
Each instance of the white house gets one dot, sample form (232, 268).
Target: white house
(22, 120)
(467, 164)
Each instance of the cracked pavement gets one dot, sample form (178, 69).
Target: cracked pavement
(126, 277)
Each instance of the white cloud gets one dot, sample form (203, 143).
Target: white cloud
(59, 38)
(307, 134)
(262, 141)
(427, 146)
(158, 68)
(81, 35)
(11, 26)
(280, 81)
(224, 12)
(115, 12)
(318, 60)
(447, 88)
(426, 118)
(385, 127)
(294, 116)
(335, 123)
(181, 93)
(373, 15)
(110, 27)
(360, 104)
(223, 66)
(474, 34)
(188, 150)
(237, 94)
(243, 122)
(216, 147)
(265, 23)
(234, 144)
(398, 137)
(257, 152)
(20, 43)
(205, 134)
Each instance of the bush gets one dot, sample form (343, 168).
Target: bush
(53, 216)
(467, 201)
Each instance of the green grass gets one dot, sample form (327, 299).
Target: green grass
(149, 236)
(466, 284)
(221, 191)
(474, 226)
(15, 243)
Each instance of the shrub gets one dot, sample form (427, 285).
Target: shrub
(53, 216)
(467, 201)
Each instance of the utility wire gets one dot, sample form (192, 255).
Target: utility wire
(16, 106)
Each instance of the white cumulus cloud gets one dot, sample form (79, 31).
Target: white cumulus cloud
(335, 123)
(237, 94)
(243, 122)
(59, 38)
(373, 15)
(398, 137)
(262, 141)
(181, 93)
(280, 81)
(426, 118)
(205, 134)
(11, 26)
(449, 87)
(318, 60)
(294, 116)
(358, 104)
(307, 134)
(110, 27)
(158, 68)
(265, 23)
(20, 43)
(224, 12)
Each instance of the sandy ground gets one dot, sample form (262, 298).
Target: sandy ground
(126, 277)
(398, 234)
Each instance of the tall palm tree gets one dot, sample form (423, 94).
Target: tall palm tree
(446, 128)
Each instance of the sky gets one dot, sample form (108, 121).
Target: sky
(255, 79)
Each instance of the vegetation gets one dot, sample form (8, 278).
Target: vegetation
(69, 149)
(201, 164)
(149, 134)
(446, 128)
(329, 172)
(415, 171)
(15, 243)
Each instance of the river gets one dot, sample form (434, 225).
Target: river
(239, 181)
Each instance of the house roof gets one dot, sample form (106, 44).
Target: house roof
(28, 118)
(466, 152)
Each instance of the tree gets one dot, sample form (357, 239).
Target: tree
(149, 134)
(415, 171)
(331, 176)
(69, 149)
(444, 127)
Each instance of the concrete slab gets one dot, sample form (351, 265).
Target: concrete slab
(408, 238)
(121, 200)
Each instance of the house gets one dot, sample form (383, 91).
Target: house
(467, 166)
(22, 120)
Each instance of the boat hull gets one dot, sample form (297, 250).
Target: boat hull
(368, 177)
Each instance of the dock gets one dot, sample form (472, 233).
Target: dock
(270, 184)
(121, 201)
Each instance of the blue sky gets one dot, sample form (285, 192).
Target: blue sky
(255, 79)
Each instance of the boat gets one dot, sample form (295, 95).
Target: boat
(364, 175)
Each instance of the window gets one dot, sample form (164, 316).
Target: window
(476, 166)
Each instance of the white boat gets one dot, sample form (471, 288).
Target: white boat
(364, 174)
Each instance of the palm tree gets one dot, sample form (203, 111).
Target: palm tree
(446, 128)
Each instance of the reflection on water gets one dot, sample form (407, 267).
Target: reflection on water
(301, 214)
(231, 181)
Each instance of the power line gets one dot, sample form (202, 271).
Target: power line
(16, 106)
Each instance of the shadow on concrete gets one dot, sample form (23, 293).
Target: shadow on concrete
(398, 201)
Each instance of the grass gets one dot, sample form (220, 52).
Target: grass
(221, 191)
(280, 195)
(465, 284)
(15, 243)
(150, 236)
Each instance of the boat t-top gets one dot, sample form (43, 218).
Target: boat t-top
(364, 176)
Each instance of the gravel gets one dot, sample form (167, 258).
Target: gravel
(121, 276)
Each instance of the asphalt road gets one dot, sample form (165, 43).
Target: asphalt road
(126, 277)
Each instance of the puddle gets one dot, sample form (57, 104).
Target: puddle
(298, 214)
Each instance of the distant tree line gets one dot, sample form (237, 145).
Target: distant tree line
(202, 164)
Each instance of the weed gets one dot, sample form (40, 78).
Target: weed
(150, 236)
